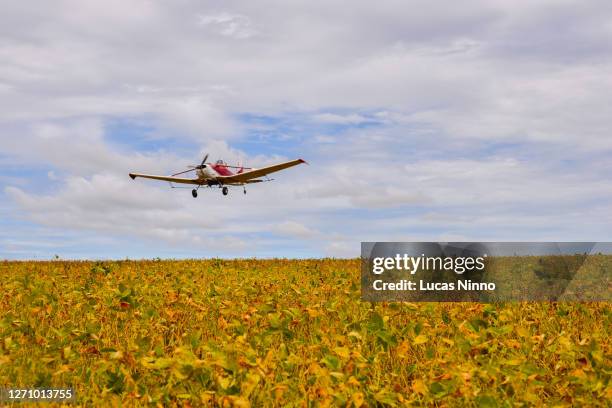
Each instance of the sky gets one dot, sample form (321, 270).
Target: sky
(485, 121)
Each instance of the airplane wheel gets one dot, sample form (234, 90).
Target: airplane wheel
(224, 190)
(194, 193)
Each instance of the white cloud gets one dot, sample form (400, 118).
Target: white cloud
(230, 25)
(342, 249)
(78, 147)
(114, 205)
(350, 119)
(447, 91)
(295, 229)
(473, 73)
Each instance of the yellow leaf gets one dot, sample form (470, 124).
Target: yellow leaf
(418, 386)
(355, 335)
(565, 342)
(353, 381)
(402, 349)
(420, 339)
(448, 341)
(249, 384)
(241, 402)
(530, 397)
(279, 392)
(358, 399)
(178, 374)
(523, 332)
(224, 382)
(342, 352)
(207, 397)
(64, 368)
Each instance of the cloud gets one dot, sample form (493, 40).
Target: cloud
(295, 229)
(474, 73)
(341, 249)
(77, 146)
(110, 204)
(418, 120)
(230, 25)
(350, 119)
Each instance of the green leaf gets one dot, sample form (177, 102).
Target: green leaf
(332, 362)
(386, 397)
(376, 323)
(486, 401)
(437, 389)
(386, 338)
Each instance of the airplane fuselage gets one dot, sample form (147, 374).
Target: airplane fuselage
(212, 171)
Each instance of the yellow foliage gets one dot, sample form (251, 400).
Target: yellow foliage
(282, 332)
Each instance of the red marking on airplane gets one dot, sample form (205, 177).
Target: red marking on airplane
(222, 170)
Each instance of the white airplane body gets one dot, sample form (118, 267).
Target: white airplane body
(219, 174)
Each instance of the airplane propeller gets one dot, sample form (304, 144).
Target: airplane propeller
(192, 168)
(203, 164)
(183, 172)
(203, 161)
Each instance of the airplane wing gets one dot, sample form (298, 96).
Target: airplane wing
(166, 178)
(247, 176)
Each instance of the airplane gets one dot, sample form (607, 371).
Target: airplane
(219, 174)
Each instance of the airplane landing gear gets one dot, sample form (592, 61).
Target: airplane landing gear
(194, 193)
(224, 190)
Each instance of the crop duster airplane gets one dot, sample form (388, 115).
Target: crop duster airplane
(220, 174)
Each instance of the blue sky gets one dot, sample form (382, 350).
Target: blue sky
(419, 123)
